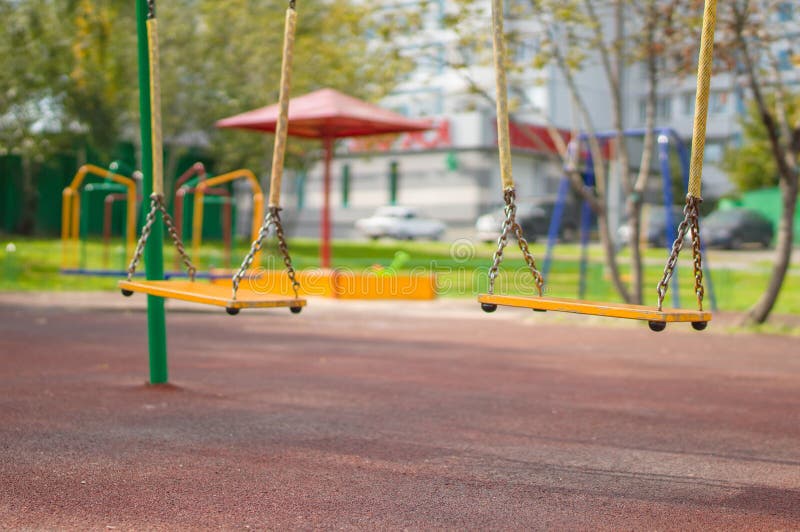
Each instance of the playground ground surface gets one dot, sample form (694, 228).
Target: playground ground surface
(390, 415)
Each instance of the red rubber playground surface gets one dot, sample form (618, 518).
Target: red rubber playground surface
(419, 416)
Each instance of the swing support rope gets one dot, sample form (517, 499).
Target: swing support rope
(691, 211)
(690, 224)
(157, 204)
(510, 223)
(273, 218)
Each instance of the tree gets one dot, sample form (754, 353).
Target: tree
(747, 42)
(31, 90)
(69, 67)
(752, 165)
(223, 58)
(101, 78)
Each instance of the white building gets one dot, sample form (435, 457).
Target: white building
(452, 171)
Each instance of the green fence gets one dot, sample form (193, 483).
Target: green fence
(10, 193)
(38, 210)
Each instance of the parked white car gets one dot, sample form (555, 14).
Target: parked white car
(403, 223)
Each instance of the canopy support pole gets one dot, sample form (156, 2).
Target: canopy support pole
(325, 221)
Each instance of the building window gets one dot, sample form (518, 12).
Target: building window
(526, 50)
(785, 12)
(687, 103)
(664, 108)
(345, 185)
(785, 60)
(430, 58)
(713, 152)
(433, 15)
(718, 102)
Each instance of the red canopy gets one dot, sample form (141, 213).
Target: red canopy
(327, 114)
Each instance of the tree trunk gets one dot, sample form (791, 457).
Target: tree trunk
(787, 170)
(783, 253)
(607, 242)
(635, 200)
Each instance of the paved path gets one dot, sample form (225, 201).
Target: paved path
(403, 415)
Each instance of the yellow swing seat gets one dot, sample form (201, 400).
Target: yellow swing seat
(657, 318)
(211, 294)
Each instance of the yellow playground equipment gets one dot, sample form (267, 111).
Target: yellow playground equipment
(71, 212)
(656, 317)
(199, 195)
(237, 297)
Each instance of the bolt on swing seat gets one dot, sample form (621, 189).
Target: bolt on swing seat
(658, 317)
(238, 297)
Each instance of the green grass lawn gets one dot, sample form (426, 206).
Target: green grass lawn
(461, 269)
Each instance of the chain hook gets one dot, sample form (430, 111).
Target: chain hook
(272, 218)
(510, 224)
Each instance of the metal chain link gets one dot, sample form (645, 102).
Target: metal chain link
(691, 225)
(146, 228)
(510, 224)
(157, 205)
(523, 246)
(255, 247)
(176, 240)
(271, 219)
(284, 248)
(697, 256)
(502, 242)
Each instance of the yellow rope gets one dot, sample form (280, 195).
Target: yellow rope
(701, 97)
(282, 127)
(503, 142)
(155, 108)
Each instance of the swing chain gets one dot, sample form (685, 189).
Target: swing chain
(146, 228)
(691, 225)
(502, 242)
(255, 247)
(176, 239)
(523, 246)
(284, 248)
(272, 218)
(157, 205)
(697, 256)
(510, 224)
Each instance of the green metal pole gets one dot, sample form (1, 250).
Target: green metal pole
(393, 175)
(153, 253)
(346, 185)
(301, 189)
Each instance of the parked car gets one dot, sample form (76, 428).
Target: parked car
(534, 215)
(733, 228)
(654, 226)
(403, 223)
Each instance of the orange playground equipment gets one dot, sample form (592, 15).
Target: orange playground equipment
(71, 214)
(207, 186)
